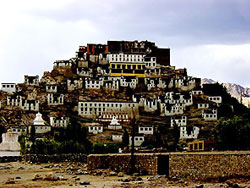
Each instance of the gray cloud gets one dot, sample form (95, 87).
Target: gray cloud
(37, 35)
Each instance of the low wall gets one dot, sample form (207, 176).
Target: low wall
(36, 158)
(194, 166)
(6, 159)
(208, 166)
(145, 163)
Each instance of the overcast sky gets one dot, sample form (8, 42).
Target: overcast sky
(211, 38)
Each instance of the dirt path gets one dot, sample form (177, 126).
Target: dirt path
(20, 175)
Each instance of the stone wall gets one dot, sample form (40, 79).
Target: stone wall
(145, 163)
(7, 159)
(55, 158)
(194, 166)
(208, 166)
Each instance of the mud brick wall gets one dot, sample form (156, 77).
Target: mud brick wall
(145, 163)
(10, 159)
(209, 166)
(55, 158)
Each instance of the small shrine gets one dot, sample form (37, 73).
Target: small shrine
(114, 124)
(10, 145)
(40, 125)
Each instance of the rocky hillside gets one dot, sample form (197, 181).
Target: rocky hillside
(239, 92)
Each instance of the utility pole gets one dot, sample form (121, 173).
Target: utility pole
(132, 160)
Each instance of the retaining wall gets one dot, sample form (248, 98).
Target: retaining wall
(193, 166)
(55, 158)
(145, 163)
(37, 158)
(208, 166)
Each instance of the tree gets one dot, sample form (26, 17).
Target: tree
(233, 134)
(125, 138)
(2, 130)
(33, 134)
(176, 136)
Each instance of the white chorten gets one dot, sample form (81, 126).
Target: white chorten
(114, 124)
(39, 120)
(39, 124)
(114, 121)
(10, 145)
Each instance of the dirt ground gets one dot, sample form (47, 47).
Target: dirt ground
(21, 175)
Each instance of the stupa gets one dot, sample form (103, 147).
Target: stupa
(40, 125)
(114, 124)
(10, 145)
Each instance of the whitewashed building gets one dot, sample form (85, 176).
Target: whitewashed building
(116, 138)
(30, 105)
(31, 80)
(95, 129)
(193, 133)
(27, 105)
(84, 72)
(216, 99)
(146, 129)
(125, 57)
(63, 64)
(112, 84)
(18, 130)
(128, 81)
(171, 110)
(150, 62)
(74, 84)
(61, 122)
(107, 117)
(179, 121)
(150, 105)
(178, 98)
(138, 140)
(93, 84)
(203, 105)
(197, 92)
(186, 83)
(93, 109)
(51, 88)
(55, 99)
(8, 87)
(209, 115)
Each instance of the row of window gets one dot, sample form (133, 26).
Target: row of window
(210, 115)
(95, 128)
(146, 129)
(127, 59)
(126, 55)
(214, 98)
(8, 85)
(127, 66)
(105, 104)
(136, 138)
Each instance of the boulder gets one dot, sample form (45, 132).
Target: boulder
(84, 183)
(120, 174)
